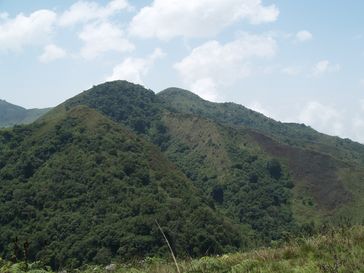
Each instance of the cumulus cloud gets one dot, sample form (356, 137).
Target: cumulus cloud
(324, 67)
(328, 119)
(322, 117)
(213, 64)
(21, 31)
(84, 11)
(206, 88)
(51, 53)
(101, 37)
(134, 69)
(166, 19)
(304, 36)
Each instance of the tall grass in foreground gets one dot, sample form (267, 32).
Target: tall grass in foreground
(336, 251)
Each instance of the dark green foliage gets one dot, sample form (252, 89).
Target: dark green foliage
(335, 250)
(124, 102)
(83, 189)
(218, 194)
(274, 168)
(103, 256)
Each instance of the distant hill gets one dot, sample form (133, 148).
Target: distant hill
(86, 181)
(11, 114)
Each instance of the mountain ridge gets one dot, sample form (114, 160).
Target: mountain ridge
(217, 177)
(11, 114)
(174, 100)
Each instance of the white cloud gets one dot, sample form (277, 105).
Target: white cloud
(166, 19)
(324, 118)
(206, 88)
(21, 31)
(101, 37)
(214, 64)
(291, 70)
(304, 36)
(323, 67)
(84, 11)
(51, 53)
(134, 69)
(328, 119)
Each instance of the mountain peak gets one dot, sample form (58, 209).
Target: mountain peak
(173, 91)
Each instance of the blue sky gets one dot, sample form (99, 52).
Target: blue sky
(297, 61)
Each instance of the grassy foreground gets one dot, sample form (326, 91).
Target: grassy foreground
(338, 251)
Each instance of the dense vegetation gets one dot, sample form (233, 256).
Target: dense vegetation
(11, 114)
(82, 189)
(244, 184)
(87, 181)
(336, 251)
(238, 180)
(317, 164)
(327, 171)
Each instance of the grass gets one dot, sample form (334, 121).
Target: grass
(354, 182)
(336, 251)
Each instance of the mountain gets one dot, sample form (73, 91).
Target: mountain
(81, 188)
(11, 114)
(86, 182)
(326, 172)
(298, 135)
(253, 196)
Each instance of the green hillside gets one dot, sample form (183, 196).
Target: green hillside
(86, 182)
(237, 179)
(326, 171)
(11, 114)
(244, 183)
(83, 189)
(293, 134)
